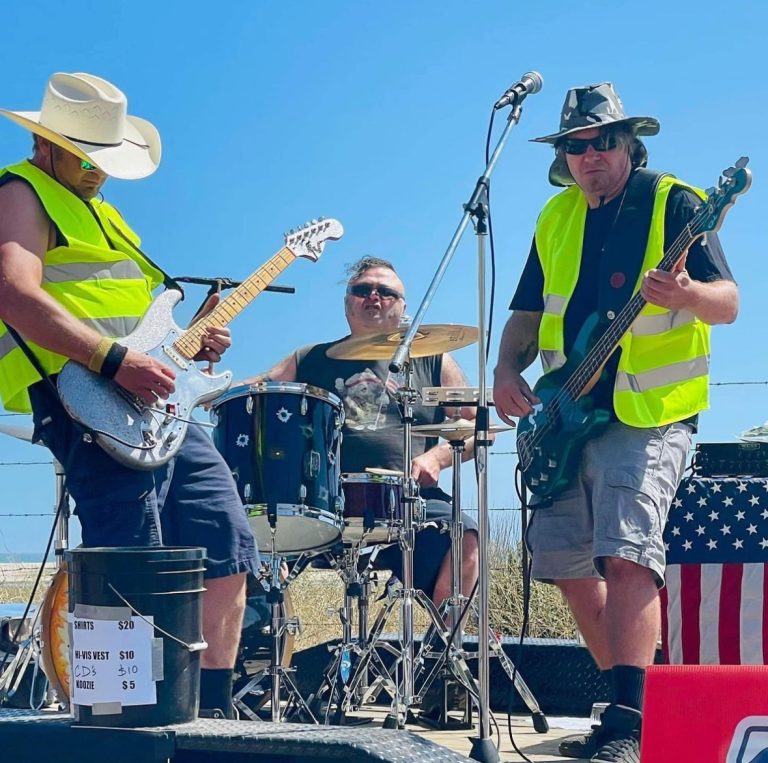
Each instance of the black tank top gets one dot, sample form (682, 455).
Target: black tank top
(373, 431)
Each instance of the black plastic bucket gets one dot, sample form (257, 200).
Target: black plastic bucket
(121, 659)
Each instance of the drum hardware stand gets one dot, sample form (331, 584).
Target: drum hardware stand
(277, 672)
(452, 661)
(476, 208)
(349, 692)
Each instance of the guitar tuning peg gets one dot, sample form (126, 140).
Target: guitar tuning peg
(313, 221)
(320, 219)
(743, 162)
(730, 172)
(711, 190)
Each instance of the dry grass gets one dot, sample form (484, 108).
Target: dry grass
(316, 596)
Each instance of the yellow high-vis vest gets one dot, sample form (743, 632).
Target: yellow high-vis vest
(97, 274)
(663, 372)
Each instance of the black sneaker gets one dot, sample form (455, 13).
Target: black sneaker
(582, 745)
(622, 750)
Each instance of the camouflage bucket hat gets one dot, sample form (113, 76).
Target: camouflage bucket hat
(594, 106)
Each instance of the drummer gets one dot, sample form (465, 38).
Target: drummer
(373, 435)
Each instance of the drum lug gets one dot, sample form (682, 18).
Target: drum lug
(331, 458)
(303, 493)
(304, 406)
(247, 491)
(249, 405)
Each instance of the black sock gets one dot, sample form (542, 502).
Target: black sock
(216, 691)
(607, 676)
(628, 682)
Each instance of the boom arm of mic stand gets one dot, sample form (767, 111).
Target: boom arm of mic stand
(228, 283)
(481, 187)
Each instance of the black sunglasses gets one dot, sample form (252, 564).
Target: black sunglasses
(366, 289)
(576, 147)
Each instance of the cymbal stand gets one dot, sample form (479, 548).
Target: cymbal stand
(276, 671)
(476, 209)
(342, 686)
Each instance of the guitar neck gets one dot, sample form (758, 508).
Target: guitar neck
(609, 341)
(190, 342)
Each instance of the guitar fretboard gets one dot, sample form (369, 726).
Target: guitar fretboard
(190, 342)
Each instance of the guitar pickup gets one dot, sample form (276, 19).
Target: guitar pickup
(175, 357)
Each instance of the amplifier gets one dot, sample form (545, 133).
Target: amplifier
(731, 459)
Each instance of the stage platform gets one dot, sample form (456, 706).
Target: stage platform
(36, 737)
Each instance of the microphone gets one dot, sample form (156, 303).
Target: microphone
(528, 84)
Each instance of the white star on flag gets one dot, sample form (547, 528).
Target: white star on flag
(728, 501)
(754, 501)
(700, 530)
(741, 487)
(691, 488)
(713, 515)
(716, 487)
(688, 517)
(725, 529)
(752, 529)
(675, 531)
(739, 515)
(738, 543)
(702, 501)
(688, 545)
(764, 543)
(712, 545)
(678, 503)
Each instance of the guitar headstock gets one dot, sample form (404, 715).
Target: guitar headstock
(733, 182)
(309, 240)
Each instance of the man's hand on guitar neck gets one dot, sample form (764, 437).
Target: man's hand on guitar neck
(512, 396)
(218, 339)
(145, 377)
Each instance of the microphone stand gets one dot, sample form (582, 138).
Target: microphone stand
(476, 209)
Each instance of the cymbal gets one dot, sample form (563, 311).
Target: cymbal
(23, 432)
(432, 339)
(454, 429)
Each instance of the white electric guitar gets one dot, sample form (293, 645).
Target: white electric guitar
(144, 436)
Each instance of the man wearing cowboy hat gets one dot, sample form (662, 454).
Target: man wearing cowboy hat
(72, 277)
(600, 540)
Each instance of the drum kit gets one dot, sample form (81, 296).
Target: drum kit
(282, 443)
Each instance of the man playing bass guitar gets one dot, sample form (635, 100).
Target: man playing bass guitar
(597, 245)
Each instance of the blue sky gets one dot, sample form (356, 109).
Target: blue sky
(272, 113)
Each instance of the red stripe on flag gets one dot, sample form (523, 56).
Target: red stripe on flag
(690, 607)
(729, 627)
(664, 601)
(765, 614)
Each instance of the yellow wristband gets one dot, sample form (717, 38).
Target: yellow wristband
(97, 359)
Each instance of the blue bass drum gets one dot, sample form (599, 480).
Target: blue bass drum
(281, 440)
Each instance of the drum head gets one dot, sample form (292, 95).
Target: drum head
(298, 529)
(54, 633)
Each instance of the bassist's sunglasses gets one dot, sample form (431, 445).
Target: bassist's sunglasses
(603, 142)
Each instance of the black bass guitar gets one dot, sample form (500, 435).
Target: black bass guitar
(550, 439)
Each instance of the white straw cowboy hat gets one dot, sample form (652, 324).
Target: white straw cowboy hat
(88, 116)
(595, 106)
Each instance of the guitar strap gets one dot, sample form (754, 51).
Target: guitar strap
(624, 249)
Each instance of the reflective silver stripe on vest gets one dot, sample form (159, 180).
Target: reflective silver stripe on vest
(554, 304)
(659, 377)
(551, 359)
(648, 325)
(7, 343)
(91, 271)
(112, 326)
(117, 327)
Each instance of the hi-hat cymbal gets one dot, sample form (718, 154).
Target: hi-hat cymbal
(454, 429)
(432, 339)
(23, 432)
(383, 472)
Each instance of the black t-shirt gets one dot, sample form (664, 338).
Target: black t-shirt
(705, 263)
(373, 431)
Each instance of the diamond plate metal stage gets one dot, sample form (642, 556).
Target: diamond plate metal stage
(27, 736)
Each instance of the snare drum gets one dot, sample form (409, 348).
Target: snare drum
(281, 440)
(373, 507)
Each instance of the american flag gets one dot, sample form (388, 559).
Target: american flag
(715, 604)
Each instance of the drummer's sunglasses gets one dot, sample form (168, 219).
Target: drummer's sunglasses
(366, 289)
(87, 166)
(603, 142)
